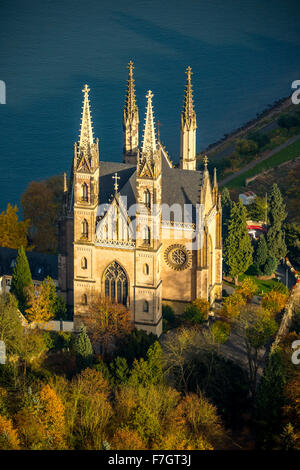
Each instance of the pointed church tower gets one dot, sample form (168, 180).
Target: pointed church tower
(86, 199)
(86, 176)
(188, 126)
(148, 288)
(130, 121)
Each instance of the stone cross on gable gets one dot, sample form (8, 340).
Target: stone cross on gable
(116, 178)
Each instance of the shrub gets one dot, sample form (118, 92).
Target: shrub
(196, 312)
(168, 314)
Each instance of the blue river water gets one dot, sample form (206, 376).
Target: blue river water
(244, 55)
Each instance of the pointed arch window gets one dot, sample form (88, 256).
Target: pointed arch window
(84, 299)
(83, 263)
(146, 269)
(146, 306)
(85, 192)
(147, 235)
(147, 198)
(85, 228)
(116, 283)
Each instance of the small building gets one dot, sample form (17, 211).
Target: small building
(256, 229)
(41, 265)
(247, 198)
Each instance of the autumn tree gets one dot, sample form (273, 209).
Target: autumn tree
(40, 303)
(107, 322)
(197, 311)
(233, 304)
(200, 422)
(247, 288)
(274, 301)
(8, 435)
(256, 328)
(41, 421)
(21, 279)
(127, 439)
(238, 249)
(89, 410)
(41, 204)
(146, 411)
(13, 233)
(220, 331)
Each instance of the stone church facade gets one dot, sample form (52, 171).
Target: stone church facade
(141, 231)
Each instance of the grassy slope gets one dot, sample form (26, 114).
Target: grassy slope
(283, 155)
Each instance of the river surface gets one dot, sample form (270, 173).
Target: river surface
(244, 55)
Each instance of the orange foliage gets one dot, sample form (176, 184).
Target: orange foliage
(8, 435)
(107, 321)
(13, 233)
(127, 439)
(232, 305)
(43, 426)
(273, 301)
(52, 417)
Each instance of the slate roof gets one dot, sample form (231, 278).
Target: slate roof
(41, 264)
(178, 186)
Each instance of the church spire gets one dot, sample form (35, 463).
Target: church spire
(86, 138)
(149, 139)
(188, 112)
(130, 102)
(188, 127)
(130, 121)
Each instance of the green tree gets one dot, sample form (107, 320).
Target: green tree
(287, 121)
(261, 255)
(238, 249)
(83, 349)
(21, 279)
(292, 239)
(135, 345)
(11, 329)
(246, 147)
(257, 211)
(277, 215)
(227, 204)
(269, 402)
(260, 138)
(120, 370)
(220, 331)
(58, 307)
(149, 371)
(196, 313)
(288, 438)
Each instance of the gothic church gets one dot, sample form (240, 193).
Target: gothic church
(141, 231)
